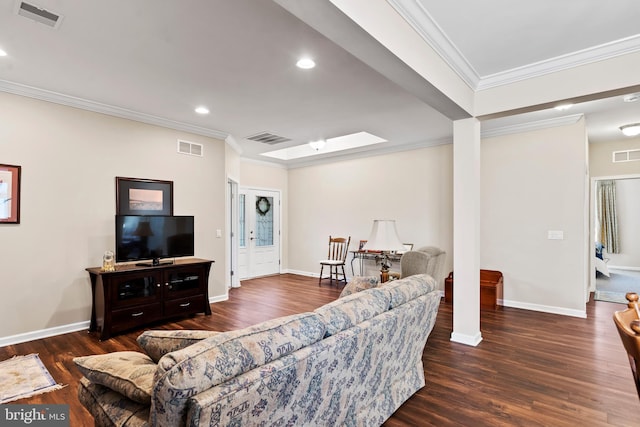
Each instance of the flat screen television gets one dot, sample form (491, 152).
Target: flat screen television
(153, 237)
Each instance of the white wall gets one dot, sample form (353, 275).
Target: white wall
(343, 198)
(600, 158)
(69, 160)
(531, 183)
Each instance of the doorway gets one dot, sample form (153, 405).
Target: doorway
(614, 274)
(258, 233)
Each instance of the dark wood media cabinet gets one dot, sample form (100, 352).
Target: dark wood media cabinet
(133, 296)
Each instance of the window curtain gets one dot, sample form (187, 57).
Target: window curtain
(607, 217)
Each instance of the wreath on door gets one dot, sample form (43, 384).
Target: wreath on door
(263, 206)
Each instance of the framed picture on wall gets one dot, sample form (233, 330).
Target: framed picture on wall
(10, 194)
(136, 196)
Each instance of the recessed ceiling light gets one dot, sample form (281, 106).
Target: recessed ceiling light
(202, 110)
(631, 97)
(3, 53)
(563, 107)
(631, 130)
(306, 63)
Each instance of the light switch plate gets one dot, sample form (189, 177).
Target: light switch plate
(555, 235)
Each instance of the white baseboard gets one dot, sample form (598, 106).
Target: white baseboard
(472, 340)
(545, 308)
(219, 298)
(43, 333)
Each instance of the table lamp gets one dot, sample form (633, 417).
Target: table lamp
(384, 238)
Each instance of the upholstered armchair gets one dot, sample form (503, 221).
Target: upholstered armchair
(427, 259)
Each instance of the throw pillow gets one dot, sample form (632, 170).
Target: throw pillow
(359, 283)
(157, 343)
(129, 373)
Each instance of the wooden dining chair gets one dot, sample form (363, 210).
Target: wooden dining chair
(338, 250)
(628, 325)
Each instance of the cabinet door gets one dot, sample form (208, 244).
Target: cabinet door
(135, 288)
(184, 281)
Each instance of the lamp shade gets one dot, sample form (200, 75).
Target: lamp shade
(384, 236)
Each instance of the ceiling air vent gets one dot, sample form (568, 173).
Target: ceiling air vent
(38, 14)
(190, 148)
(268, 138)
(626, 156)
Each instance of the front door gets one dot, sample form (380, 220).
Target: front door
(259, 233)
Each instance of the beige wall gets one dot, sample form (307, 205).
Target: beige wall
(69, 160)
(531, 183)
(600, 156)
(343, 198)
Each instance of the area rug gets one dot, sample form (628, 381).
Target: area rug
(609, 296)
(24, 376)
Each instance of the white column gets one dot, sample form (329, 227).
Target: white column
(466, 232)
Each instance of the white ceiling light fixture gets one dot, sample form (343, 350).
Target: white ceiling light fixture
(631, 130)
(202, 110)
(318, 145)
(633, 97)
(306, 63)
(3, 53)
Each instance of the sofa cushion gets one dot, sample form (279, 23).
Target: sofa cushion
(110, 408)
(184, 373)
(408, 288)
(359, 283)
(350, 310)
(129, 373)
(157, 343)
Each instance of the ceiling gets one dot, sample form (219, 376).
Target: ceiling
(156, 60)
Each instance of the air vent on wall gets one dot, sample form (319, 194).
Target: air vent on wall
(190, 148)
(268, 138)
(626, 156)
(38, 14)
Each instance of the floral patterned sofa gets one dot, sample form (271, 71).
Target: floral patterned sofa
(353, 361)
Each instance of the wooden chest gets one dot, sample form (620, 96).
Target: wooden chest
(491, 284)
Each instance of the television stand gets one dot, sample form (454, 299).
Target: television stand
(131, 297)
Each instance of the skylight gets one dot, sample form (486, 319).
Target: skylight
(339, 143)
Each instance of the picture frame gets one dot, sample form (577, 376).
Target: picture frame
(137, 196)
(10, 194)
(361, 245)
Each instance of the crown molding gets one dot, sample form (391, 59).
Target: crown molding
(424, 24)
(574, 59)
(96, 107)
(532, 126)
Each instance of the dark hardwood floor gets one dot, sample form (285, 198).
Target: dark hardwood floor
(531, 369)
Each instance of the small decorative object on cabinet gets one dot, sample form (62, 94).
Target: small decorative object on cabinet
(133, 296)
